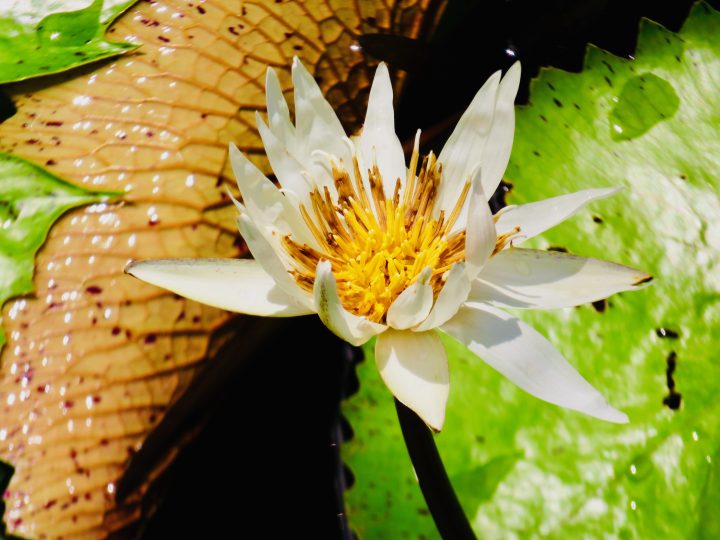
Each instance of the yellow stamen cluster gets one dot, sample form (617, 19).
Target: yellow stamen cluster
(378, 246)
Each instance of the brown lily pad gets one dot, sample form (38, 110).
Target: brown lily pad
(94, 359)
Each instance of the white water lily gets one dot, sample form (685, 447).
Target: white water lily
(378, 248)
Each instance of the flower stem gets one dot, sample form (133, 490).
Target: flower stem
(449, 517)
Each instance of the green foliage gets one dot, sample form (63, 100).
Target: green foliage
(40, 39)
(525, 469)
(31, 199)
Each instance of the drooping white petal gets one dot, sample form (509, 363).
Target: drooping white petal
(537, 217)
(265, 204)
(378, 141)
(463, 150)
(414, 367)
(529, 278)
(352, 328)
(316, 125)
(238, 285)
(270, 255)
(496, 152)
(453, 294)
(414, 303)
(530, 361)
(480, 235)
(277, 111)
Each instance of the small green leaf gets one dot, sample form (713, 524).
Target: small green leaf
(37, 38)
(31, 199)
(652, 353)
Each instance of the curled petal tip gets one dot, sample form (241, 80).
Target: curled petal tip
(621, 418)
(602, 410)
(435, 423)
(238, 205)
(258, 118)
(354, 329)
(129, 267)
(299, 68)
(643, 279)
(324, 266)
(610, 414)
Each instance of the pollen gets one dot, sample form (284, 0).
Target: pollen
(377, 245)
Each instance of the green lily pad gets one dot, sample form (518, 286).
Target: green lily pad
(525, 469)
(31, 199)
(43, 37)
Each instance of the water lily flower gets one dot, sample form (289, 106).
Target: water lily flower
(378, 247)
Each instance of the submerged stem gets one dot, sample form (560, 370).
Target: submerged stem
(449, 517)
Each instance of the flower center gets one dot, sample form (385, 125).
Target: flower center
(378, 246)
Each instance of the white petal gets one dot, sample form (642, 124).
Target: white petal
(378, 141)
(414, 303)
(529, 278)
(496, 152)
(271, 256)
(530, 361)
(480, 235)
(287, 169)
(238, 285)
(453, 294)
(463, 150)
(264, 202)
(537, 217)
(352, 328)
(316, 125)
(277, 110)
(414, 367)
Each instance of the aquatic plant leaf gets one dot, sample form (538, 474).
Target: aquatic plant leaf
(653, 353)
(96, 363)
(31, 199)
(40, 38)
